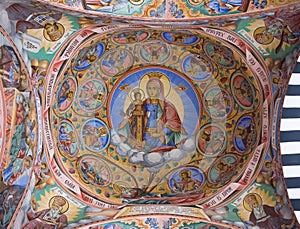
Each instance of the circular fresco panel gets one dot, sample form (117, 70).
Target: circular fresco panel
(93, 171)
(65, 95)
(67, 139)
(91, 95)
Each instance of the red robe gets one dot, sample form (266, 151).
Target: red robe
(36, 221)
(271, 220)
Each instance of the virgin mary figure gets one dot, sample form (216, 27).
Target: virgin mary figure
(159, 124)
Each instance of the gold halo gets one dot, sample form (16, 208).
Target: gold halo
(260, 30)
(221, 161)
(246, 205)
(189, 173)
(28, 159)
(64, 208)
(134, 91)
(162, 77)
(120, 186)
(44, 166)
(265, 164)
(195, 2)
(61, 28)
(43, 65)
(34, 62)
(136, 2)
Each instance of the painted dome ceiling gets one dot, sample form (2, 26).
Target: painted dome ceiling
(167, 11)
(142, 114)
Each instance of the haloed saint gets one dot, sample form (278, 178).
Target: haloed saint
(152, 122)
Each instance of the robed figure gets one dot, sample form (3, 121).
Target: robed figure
(152, 124)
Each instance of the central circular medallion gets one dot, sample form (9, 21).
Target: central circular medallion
(148, 109)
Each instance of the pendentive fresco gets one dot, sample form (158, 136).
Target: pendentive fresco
(141, 114)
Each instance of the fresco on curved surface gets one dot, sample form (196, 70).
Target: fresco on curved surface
(138, 126)
(175, 10)
(19, 131)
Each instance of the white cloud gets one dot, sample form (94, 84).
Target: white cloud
(151, 160)
(137, 157)
(123, 149)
